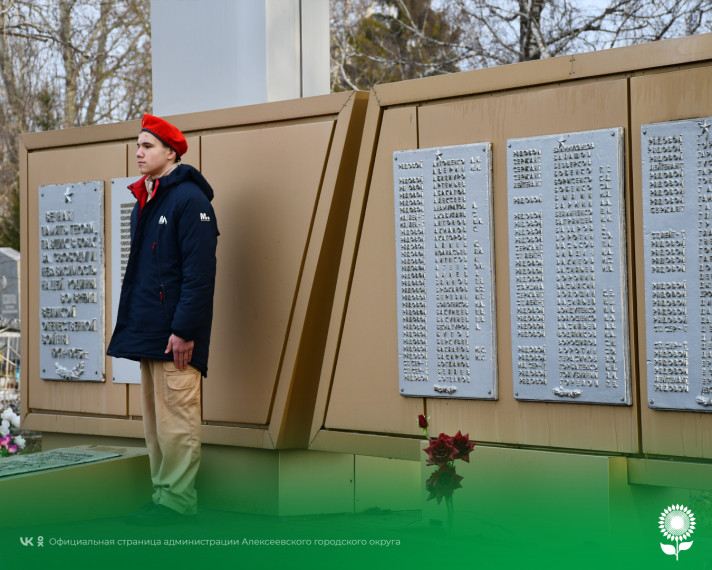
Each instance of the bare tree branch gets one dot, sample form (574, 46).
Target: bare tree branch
(66, 63)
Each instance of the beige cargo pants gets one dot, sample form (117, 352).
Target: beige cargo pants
(171, 424)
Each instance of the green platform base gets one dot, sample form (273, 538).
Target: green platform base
(241, 480)
(302, 482)
(543, 506)
(516, 507)
(101, 489)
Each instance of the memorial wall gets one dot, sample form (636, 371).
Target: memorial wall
(521, 253)
(577, 262)
(282, 174)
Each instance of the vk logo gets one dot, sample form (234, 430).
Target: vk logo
(204, 217)
(162, 220)
(26, 541)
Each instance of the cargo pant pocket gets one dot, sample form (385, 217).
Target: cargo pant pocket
(182, 387)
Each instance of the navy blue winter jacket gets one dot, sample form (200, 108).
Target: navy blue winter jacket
(170, 276)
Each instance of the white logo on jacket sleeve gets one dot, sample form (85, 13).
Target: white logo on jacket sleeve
(204, 217)
(162, 220)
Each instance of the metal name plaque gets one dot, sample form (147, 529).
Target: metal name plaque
(124, 371)
(446, 324)
(677, 239)
(71, 220)
(567, 261)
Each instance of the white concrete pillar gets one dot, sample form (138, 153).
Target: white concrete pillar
(212, 54)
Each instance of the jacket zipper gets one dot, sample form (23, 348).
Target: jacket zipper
(161, 288)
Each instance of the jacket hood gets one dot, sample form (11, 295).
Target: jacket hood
(185, 172)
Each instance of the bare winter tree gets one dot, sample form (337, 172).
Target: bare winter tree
(66, 63)
(344, 17)
(16, 86)
(389, 40)
(98, 50)
(508, 31)
(470, 34)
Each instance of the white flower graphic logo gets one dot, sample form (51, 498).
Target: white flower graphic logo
(677, 523)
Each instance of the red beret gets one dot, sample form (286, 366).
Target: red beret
(165, 132)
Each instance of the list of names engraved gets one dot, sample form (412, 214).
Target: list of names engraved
(677, 239)
(446, 328)
(71, 267)
(567, 266)
(124, 371)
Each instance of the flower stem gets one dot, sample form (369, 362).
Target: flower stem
(450, 512)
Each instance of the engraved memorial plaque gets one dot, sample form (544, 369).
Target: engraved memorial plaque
(71, 259)
(567, 262)
(677, 238)
(52, 459)
(122, 203)
(9, 288)
(445, 272)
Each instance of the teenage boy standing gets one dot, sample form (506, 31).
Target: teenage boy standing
(165, 314)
